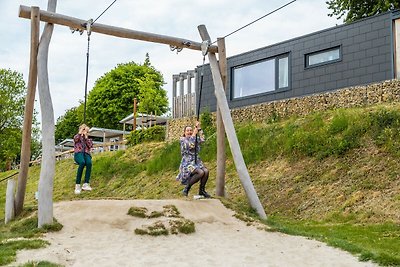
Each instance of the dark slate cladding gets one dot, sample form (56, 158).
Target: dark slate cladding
(366, 57)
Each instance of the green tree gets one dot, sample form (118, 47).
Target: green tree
(12, 101)
(111, 99)
(67, 125)
(150, 98)
(358, 9)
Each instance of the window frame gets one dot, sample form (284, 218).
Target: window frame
(307, 57)
(276, 76)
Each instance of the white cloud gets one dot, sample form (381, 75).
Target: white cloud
(67, 56)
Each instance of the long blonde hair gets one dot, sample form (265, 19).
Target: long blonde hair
(82, 127)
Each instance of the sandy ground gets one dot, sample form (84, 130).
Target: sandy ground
(100, 233)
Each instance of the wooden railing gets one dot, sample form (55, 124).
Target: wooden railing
(97, 148)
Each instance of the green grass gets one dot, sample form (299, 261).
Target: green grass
(8, 249)
(40, 264)
(23, 234)
(333, 176)
(155, 229)
(171, 211)
(376, 242)
(137, 212)
(159, 164)
(183, 226)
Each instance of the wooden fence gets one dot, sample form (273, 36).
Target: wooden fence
(184, 106)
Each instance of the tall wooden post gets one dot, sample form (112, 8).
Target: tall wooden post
(221, 155)
(48, 166)
(230, 130)
(28, 113)
(134, 113)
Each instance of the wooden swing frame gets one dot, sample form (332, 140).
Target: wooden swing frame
(38, 74)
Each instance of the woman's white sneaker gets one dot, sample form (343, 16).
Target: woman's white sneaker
(86, 187)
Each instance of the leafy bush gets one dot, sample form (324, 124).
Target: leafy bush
(155, 133)
(385, 129)
(207, 123)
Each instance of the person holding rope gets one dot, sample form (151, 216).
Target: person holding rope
(82, 147)
(192, 169)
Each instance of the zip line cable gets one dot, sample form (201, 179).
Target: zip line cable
(88, 26)
(8, 177)
(104, 11)
(254, 21)
(204, 57)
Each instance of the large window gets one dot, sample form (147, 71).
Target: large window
(283, 68)
(323, 57)
(261, 77)
(396, 48)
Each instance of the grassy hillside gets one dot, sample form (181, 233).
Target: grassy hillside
(333, 176)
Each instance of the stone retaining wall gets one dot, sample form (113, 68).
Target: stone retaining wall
(357, 96)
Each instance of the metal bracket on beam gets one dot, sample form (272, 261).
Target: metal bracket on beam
(76, 30)
(177, 48)
(204, 47)
(88, 25)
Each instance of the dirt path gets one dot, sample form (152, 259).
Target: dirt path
(100, 233)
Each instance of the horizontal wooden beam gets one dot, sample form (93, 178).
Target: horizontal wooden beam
(75, 23)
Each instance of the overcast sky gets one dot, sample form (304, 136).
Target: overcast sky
(67, 54)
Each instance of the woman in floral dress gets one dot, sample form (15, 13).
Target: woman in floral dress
(192, 169)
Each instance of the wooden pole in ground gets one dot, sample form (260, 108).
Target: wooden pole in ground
(123, 132)
(134, 113)
(51, 17)
(221, 155)
(9, 216)
(47, 171)
(230, 130)
(28, 113)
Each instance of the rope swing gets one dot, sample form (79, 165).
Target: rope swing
(88, 26)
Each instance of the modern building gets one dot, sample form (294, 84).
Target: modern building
(358, 53)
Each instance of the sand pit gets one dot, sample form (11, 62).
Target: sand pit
(100, 233)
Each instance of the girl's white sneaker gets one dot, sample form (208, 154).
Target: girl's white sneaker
(77, 189)
(86, 187)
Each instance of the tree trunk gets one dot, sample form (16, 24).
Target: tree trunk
(221, 154)
(8, 164)
(45, 190)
